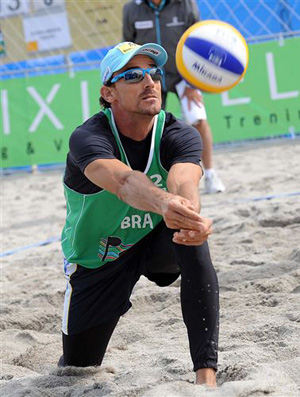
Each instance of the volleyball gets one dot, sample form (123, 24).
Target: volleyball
(212, 55)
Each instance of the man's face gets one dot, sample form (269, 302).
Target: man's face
(143, 97)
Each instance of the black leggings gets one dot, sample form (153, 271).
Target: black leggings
(161, 260)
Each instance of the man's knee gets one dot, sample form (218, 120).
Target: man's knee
(163, 279)
(191, 256)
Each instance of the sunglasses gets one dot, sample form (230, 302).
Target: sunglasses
(136, 75)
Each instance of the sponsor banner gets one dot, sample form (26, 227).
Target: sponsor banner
(38, 114)
(47, 32)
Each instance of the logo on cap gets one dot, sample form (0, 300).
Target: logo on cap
(151, 51)
(127, 47)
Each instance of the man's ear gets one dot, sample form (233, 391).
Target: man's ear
(107, 93)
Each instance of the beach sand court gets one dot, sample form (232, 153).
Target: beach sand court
(256, 252)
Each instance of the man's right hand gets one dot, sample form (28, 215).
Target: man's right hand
(179, 213)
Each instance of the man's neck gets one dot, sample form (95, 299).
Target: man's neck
(134, 126)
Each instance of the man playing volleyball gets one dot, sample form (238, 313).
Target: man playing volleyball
(131, 186)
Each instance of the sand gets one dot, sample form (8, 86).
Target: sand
(256, 252)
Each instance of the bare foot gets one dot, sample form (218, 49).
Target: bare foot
(206, 376)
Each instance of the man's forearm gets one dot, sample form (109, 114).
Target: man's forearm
(190, 191)
(139, 192)
(183, 180)
(178, 212)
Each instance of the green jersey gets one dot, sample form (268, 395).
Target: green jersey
(99, 227)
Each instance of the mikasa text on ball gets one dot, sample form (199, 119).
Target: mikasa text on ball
(212, 56)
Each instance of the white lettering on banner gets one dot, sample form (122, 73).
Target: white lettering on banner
(275, 95)
(137, 222)
(44, 109)
(226, 101)
(85, 100)
(5, 112)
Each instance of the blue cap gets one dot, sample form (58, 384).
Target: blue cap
(120, 55)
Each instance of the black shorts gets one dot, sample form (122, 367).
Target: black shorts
(95, 296)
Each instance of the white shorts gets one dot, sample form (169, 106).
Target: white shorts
(196, 112)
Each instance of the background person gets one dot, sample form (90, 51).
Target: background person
(131, 186)
(164, 22)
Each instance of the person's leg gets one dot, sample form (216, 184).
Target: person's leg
(199, 295)
(205, 131)
(195, 115)
(89, 346)
(213, 183)
(159, 257)
(96, 298)
(200, 308)
(94, 301)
